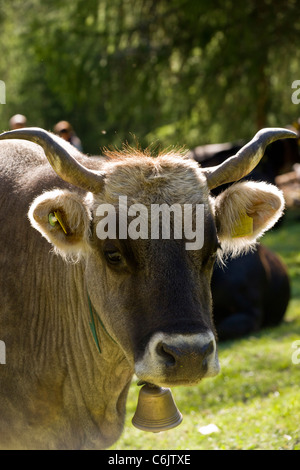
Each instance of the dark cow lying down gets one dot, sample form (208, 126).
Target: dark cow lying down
(250, 292)
(78, 323)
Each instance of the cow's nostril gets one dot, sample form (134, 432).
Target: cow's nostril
(166, 354)
(172, 355)
(207, 349)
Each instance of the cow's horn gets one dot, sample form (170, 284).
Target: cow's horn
(69, 169)
(241, 164)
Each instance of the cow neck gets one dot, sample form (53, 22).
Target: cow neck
(92, 324)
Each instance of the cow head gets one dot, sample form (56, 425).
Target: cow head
(153, 292)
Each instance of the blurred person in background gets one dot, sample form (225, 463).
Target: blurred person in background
(17, 121)
(66, 132)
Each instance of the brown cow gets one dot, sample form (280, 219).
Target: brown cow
(78, 325)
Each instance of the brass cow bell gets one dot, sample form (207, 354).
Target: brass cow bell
(156, 410)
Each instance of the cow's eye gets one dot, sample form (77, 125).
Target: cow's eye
(113, 257)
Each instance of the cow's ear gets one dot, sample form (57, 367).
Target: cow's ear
(63, 218)
(244, 211)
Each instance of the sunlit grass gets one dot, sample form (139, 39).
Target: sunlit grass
(255, 400)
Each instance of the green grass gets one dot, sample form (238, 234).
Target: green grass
(255, 400)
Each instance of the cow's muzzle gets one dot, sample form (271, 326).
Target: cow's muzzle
(178, 359)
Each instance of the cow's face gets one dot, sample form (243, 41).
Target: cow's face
(156, 299)
(152, 293)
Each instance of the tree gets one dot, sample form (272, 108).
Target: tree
(173, 71)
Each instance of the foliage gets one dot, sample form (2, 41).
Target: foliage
(254, 401)
(166, 70)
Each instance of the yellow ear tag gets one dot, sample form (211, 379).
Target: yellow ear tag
(243, 227)
(55, 217)
(57, 214)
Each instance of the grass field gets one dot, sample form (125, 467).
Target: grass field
(255, 401)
